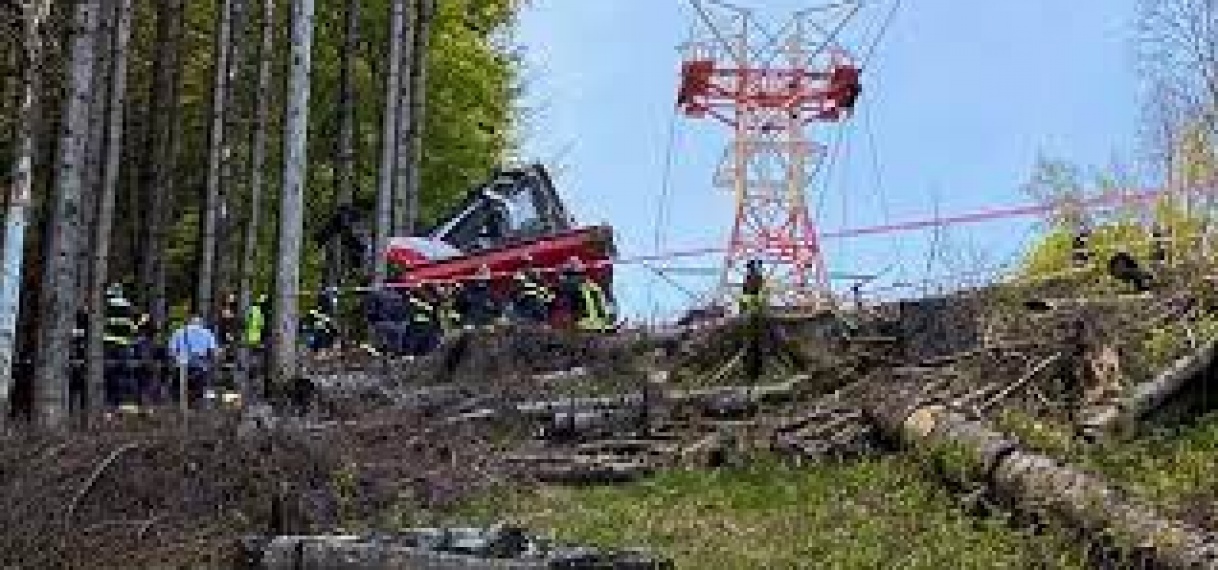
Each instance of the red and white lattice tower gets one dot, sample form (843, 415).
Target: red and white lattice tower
(772, 89)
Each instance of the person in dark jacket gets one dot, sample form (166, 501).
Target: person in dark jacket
(477, 303)
(585, 298)
(118, 340)
(422, 326)
(386, 313)
(531, 298)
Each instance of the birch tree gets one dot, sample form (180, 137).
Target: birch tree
(103, 226)
(253, 221)
(59, 299)
(291, 215)
(389, 141)
(34, 13)
(215, 158)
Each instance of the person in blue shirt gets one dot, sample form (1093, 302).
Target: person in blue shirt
(194, 346)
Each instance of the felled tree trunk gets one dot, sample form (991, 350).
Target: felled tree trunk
(971, 453)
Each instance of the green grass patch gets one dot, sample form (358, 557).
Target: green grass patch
(881, 513)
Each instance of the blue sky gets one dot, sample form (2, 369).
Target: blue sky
(958, 101)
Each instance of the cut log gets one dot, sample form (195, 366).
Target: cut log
(971, 453)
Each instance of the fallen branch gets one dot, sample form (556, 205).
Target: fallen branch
(96, 475)
(1005, 392)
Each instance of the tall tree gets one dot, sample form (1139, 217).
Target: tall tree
(345, 181)
(404, 157)
(157, 171)
(98, 271)
(215, 163)
(20, 195)
(416, 116)
(249, 253)
(389, 141)
(59, 299)
(226, 238)
(95, 148)
(291, 206)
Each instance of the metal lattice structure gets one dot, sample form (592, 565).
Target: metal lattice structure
(771, 89)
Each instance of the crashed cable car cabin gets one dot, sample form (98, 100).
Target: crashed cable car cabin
(517, 215)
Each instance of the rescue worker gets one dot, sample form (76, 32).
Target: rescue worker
(1081, 248)
(753, 307)
(319, 329)
(531, 299)
(586, 298)
(118, 340)
(229, 323)
(255, 323)
(422, 328)
(77, 391)
(477, 303)
(386, 313)
(1158, 246)
(445, 299)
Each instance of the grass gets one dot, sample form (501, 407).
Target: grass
(877, 513)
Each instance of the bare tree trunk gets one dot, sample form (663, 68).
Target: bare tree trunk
(156, 167)
(166, 177)
(344, 189)
(253, 221)
(59, 295)
(226, 265)
(215, 162)
(95, 148)
(389, 130)
(417, 116)
(402, 169)
(20, 197)
(291, 214)
(105, 211)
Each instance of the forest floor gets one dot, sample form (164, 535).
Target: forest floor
(386, 456)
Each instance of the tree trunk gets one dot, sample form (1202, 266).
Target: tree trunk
(291, 215)
(417, 115)
(345, 178)
(389, 130)
(253, 222)
(215, 165)
(405, 79)
(105, 211)
(59, 302)
(20, 197)
(95, 148)
(226, 265)
(166, 180)
(156, 167)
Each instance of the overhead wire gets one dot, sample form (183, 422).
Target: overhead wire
(664, 198)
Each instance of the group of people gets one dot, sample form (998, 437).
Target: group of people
(134, 371)
(408, 318)
(411, 319)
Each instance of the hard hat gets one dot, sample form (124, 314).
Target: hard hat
(114, 290)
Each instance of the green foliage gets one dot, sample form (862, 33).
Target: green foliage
(880, 513)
